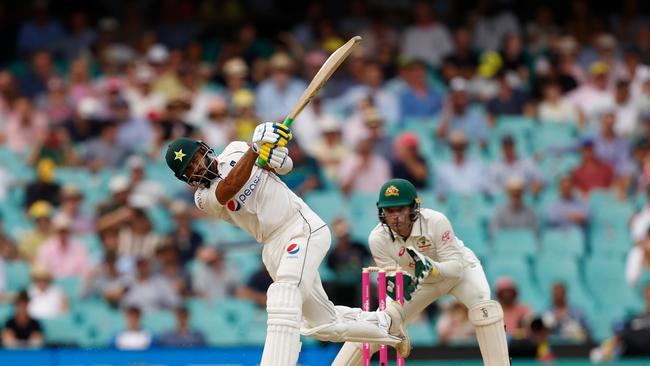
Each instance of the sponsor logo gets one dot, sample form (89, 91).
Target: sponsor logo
(402, 251)
(485, 313)
(423, 242)
(391, 191)
(293, 249)
(234, 205)
(248, 191)
(446, 236)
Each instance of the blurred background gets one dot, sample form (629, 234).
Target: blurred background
(526, 123)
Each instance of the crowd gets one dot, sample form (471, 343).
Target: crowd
(508, 123)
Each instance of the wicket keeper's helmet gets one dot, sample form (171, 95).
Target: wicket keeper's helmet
(180, 154)
(395, 193)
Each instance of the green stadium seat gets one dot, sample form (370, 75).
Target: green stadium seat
(423, 334)
(62, 330)
(552, 269)
(159, 322)
(362, 211)
(471, 208)
(6, 312)
(328, 204)
(245, 261)
(103, 325)
(605, 277)
(473, 236)
(18, 275)
(70, 285)
(550, 135)
(518, 269)
(161, 219)
(609, 239)
(515, 242)
(563, 242)
(237, 312)
(93, 244)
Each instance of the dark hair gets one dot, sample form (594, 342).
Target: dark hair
(22, 296)
(133, 310)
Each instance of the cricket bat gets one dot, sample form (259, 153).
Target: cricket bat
(331, 64)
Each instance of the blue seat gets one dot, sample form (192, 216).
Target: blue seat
(328, 204)
(473, 236)
(610, 239)
(605, 278)
(61, 330)
(159, 322)
(246, 262)
(552, 269)
(563, 242)
(515, 242)
(70, 285)
(549, 135)
(422, 334)
(362, 215)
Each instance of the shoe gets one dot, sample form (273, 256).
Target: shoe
(396, 313)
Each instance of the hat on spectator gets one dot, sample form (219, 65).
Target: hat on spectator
(329, 123)
(515, 183)
(88, 108)
(598, 68)
(70, 191)
(457, 137)
(587, 143)
(135, 161)
(118, 183)
(39, 271)
(408, 139)
(243, 98)
(458, 84)
(46, 169)
(61, 222)
(235, 67)
(158, 54)
(144, 74)
(372, 117)
(281, 60)
(40, 209)
(505, 283)
(606, 41)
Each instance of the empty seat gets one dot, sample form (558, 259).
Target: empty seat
(515, 242)
(328, 204)
(563, 242)
(159, 321)
(61, 330)
(17, 274)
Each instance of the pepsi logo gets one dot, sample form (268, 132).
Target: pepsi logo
(402, 251)
(234, 205)
(293, 248)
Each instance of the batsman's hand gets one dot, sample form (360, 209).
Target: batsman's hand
(276, 134)
(276, 158)
(424, 267)
(407, 291)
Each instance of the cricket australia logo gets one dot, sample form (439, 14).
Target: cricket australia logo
(391, 191)
(423, 242)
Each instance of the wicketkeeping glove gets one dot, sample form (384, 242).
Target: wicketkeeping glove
(409, 287)
(424, 267)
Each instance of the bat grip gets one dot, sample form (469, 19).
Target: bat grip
(287, 122)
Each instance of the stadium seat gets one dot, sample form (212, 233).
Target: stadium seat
(237, 312)
(62, 330)
(550, 135)
(70, 285)
(605, 278)
(159, 322)
(608, 239)
(515, 242)
(6, 312)
(552, 269)
(423, 334)
(245, 261)
(161, 220)
(563, 242)
(328, 204)
(17, 274)
(473, 237)
(362, 211)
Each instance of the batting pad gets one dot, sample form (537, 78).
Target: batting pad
(283, 305)
(487, 318)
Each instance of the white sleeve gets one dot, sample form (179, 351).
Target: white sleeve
(634, 265)
(205, 199)
(450, 255)
(377, 243)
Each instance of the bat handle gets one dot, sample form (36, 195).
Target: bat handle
(287, 122)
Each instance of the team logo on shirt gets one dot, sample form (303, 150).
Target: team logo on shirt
(293, 248)
(233, 205)
(423, 242)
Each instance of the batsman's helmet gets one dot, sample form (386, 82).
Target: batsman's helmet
(182, 151)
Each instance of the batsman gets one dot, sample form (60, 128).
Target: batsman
(236, 188)
(436, 263)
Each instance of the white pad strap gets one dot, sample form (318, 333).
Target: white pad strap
(284, 308)
(487, 318)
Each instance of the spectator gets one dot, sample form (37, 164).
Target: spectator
(149, 292)
(47, 301)
(144, 192)
(86, 122)
(133, 133)
(566, 322)
(627, 111)
(80, 38)
(428, 39)
(79, 80)
(112, 211)
(71, 201)
(168, 265)
(56, 103)
(515, 314)
(592, 173)
(143, 101)
(183, 336)
(277, 95)
(534, 342)
(492, 25)
(457, 115)
(219, 128)
(30, 243)
(173, 123)
(345, 260)
(105, 151)
(44, 188)
(24, 126)
(407, 162)
(638, 260)
(184, 237)
(462, 175)
(105, 281)
(35, 82)
(212, 278)
(515, 214)
(21, 330)
(515, 58)
(256, 287)
(133, 337)
(611, 148)
(235, 72)
(62, 255)
(568, 210)
(166, 78)
(418, 100)
(136, 235)
(306, 173)
(454, 325)
(510, 100)
(511, 165)
(463, 61)
(56, 146)
(376, 133)
(40, 31)
(329, 151)
(555, 107)
(364, 172)
(593, 97)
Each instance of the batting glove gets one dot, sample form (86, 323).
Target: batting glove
(276, 134)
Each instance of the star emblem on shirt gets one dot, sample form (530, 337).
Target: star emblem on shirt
(179, 155)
